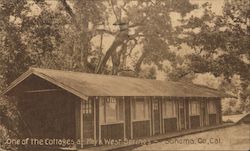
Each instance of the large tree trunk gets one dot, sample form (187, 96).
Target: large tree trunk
(119, 40)
(118, 59)
(139, 62)
(82, 44)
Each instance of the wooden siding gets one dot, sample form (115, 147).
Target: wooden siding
(112, 131)
(212, 119)
(219, 111)
(132, 129)
(127, 117)
(78, 121)
(62, 113)
(97, 124)
(170, 125)
(195, 121)
(187, 116)
(141, 129)
(206, 113)
(49, 114)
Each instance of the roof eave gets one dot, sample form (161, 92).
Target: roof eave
(17, 81)
(45, 77)
(61, 85)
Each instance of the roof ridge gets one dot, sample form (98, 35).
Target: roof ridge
(84, 84)
(33, 69)
(177, 82)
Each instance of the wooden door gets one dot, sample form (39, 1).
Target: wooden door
(203, 113)
(182, 115)
(88, 119)
(156, 117)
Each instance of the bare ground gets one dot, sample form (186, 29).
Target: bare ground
(230, 138)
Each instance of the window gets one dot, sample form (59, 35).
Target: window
(194, 108)
(87, 107)
(169, 109)
(111, 110)
(140, 108)
(211, 107)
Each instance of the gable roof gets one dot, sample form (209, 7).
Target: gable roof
(84, 85)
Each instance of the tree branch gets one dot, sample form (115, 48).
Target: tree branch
(130, 50)
(139, 62)
(106, 31)
(69, 10)
(113, 9)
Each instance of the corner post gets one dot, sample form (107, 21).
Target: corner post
(81, 123)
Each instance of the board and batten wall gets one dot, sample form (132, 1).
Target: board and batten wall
(128, 123)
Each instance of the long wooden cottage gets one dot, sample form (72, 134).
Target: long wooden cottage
(81, 106)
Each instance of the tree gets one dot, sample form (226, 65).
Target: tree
(61, 38)
(85, 17)
(141, 23)
(26, 38)
(150, 23)
(220, 43)
(148, 73)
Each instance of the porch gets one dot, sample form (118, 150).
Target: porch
(154, 139)
(112, 107)
(127, 118)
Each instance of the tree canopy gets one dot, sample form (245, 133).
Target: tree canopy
(123, 37)
(220, 45)
(35, 34)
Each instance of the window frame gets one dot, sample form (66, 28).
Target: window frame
(196, 105)
(213, 105)
(146, 114)
(87, 107)
(106, 100)
(173, 108)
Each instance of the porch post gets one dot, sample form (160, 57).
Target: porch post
(162, 117)
(124, 118)
(81, 123)
(160, 110)
(178, 113)
(153, 126)
(150, 115)
(200, 102)
(220, 111)
(207, 112)
(131, 121)
(99, 121)
(189, 111)
(95, 112)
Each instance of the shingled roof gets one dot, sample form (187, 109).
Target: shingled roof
(84, 85)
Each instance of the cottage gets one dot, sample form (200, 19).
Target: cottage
(81, 106)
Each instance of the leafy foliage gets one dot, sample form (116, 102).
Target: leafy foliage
(26, 39)
(221, 45)
(222, 42)
(32, 33)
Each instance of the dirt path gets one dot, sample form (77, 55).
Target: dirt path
(231, 138)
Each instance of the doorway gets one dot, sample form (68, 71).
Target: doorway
(182, 115)
(88, 119)
(156, 116)
(203, 113)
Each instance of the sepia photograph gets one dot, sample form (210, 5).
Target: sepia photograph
(124, 75)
